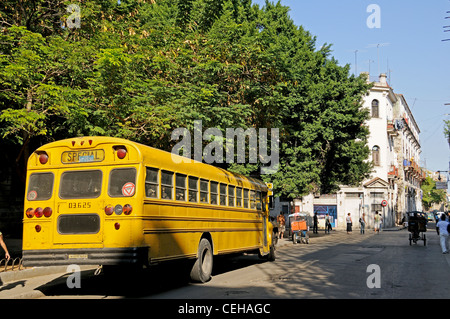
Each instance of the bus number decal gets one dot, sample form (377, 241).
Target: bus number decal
(79, 204)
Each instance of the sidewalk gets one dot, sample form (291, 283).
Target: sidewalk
(286, 240)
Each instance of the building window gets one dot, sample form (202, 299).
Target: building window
(376, 155)
(375, 108)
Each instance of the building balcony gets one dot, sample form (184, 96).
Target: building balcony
(394, 172)
(391, 129)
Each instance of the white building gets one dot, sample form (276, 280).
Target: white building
(394, 185)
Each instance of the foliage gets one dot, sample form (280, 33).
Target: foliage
(431, 195)
(138, 69)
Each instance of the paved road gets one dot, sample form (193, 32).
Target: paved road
(331, 266)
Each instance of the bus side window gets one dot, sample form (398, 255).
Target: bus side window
(193, 189)
(214, 193)
(246, 198)
(203, 191)
(166, 185)
(231, 195)
(252, 199)
(151, 183)
(239, 197)
(223, 194)
(258, 201)
(180, 187)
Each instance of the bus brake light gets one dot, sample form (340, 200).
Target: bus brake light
(127, 209)
(47, 212)
(109, 209)
(30, 212)
(39, 212)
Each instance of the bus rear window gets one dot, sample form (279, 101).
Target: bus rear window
(80, 184)
(40, 186)
(122, 182)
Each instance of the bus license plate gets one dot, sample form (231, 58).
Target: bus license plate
(78, 256)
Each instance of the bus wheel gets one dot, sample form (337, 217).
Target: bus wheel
(202, 269)
(272, 255)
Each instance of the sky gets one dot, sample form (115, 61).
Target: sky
(404, 39)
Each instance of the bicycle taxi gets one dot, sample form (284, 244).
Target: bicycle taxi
(299, 228)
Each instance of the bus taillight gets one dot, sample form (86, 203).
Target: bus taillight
(109, 210)
(39, 212)
(47, 212)
(30, 212)
(127, 209)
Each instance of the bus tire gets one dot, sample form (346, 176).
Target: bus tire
(272, 255)
(202, 269)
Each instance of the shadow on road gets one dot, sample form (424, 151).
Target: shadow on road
(139, 283)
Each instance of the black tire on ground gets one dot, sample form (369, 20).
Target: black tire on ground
(202, 269)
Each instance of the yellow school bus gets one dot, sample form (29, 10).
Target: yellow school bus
(110, 201)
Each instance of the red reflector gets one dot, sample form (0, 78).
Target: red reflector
(109, 210)
(39, 212)
(47, 212)
(73, 143)
(117, 226)
(43, 158)
(121, 153)
(38, 228)
(30, 212)
(127, 209)
(90, 142)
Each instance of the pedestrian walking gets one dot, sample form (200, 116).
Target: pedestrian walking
(362, 223)
(441, 229)
(376, 220)
(2, 243)
(315, 224)
(328, 227)
(348, 219)
(281, 220)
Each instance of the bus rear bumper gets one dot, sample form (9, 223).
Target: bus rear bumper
(90, 256)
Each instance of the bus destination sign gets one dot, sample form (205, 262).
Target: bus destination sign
(82, 156)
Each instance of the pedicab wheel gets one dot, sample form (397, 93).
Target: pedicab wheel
(294, 238)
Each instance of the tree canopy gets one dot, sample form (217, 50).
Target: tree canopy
(138, 69)
(431, 195)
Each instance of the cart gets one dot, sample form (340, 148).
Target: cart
(299, 228)
(417, 226)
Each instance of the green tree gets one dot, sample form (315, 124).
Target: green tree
(431, 195)
(140, 68)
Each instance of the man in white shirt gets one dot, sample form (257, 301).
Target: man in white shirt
(441, 228)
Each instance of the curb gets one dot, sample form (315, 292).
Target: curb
(15, 275)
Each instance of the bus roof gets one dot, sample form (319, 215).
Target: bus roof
(139, 153)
